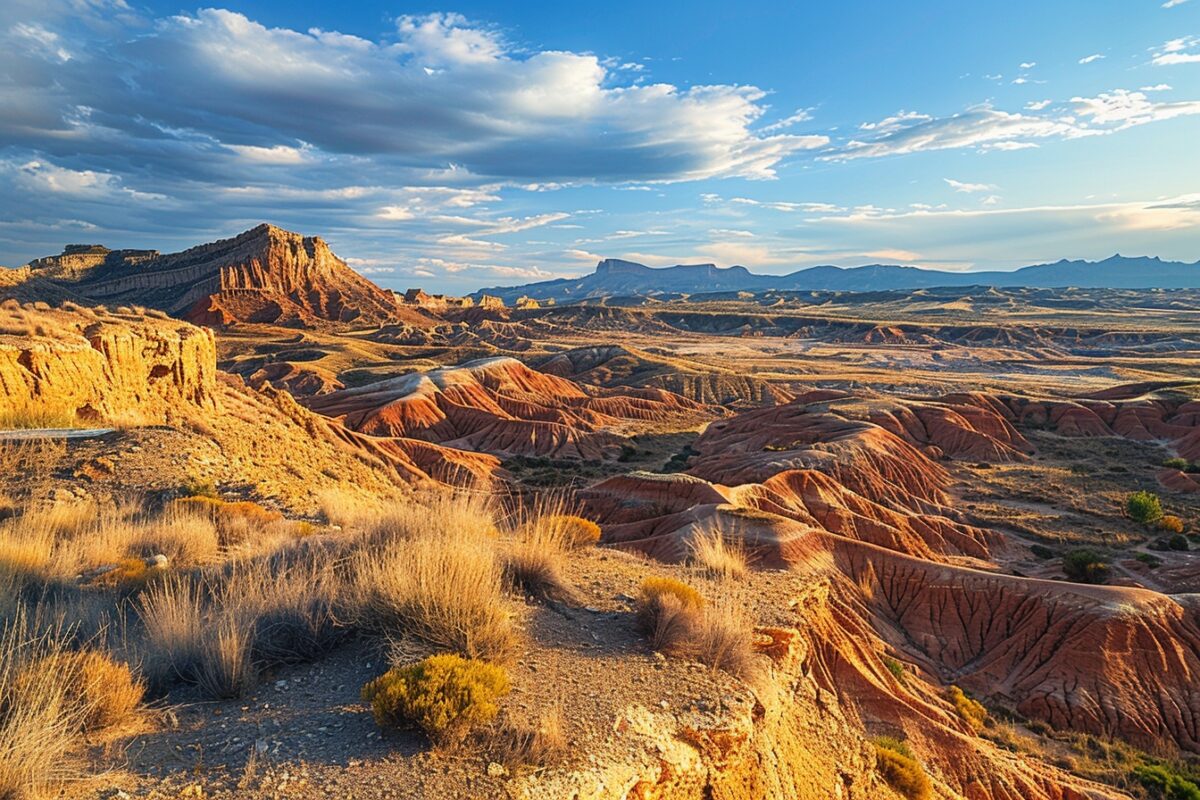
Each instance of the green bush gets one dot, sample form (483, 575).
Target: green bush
(1149, 560)
(1041, 551)
(1165, 783)
(971, 711)
(895, 667)
(901, 769)
(1176, 463)
(444, 695)
(1143, 507)
(1086, 566)
(1178, 542)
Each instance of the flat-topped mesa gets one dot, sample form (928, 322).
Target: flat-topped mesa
(77, 261)
(266, 274)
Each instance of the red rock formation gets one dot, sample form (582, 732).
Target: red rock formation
(263, 275)
(501, 406)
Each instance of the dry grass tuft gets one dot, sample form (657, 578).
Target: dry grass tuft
(31, 416)
(724, 640)
(540, 743)
(103, 692)
(442, 582)
(717, 554)
(40, 722)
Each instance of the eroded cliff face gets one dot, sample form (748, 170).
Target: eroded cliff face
(101, 366)
(266, 274)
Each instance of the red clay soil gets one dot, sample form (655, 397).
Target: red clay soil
(501, 406)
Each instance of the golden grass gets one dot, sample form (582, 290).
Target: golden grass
(40, 746)
(540, 742)
(897, 765)
(535, 555)
(436, 575)
(718, 554)
(971, 711)
(103, 692)
(724, 639)
(37, 415)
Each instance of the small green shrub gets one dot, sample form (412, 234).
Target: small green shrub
(1176, 463)
(1149, 560)
(1143, 507)
(971, 711)
(896, 763)
(1041, 551)
(895, 667)
(1178, 542)
(1165, 783)
(444, 695)
(196, 487)
(1086, 566)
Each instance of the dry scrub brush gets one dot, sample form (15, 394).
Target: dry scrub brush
(678, 621)
(50, 697)
(535, 554)
(435, 574)
(717, 553)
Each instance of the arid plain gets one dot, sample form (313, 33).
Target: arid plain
(914, 543)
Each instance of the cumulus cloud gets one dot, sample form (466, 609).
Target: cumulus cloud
(1091, 58)
(446, 93)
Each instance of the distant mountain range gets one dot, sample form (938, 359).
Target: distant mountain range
(615, 278)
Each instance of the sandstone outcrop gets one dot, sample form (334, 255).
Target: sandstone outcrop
(103, 366)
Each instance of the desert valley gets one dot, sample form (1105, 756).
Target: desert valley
(270, 530)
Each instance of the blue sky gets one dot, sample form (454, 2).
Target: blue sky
(497, 143)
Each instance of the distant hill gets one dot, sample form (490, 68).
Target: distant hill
(614, 278)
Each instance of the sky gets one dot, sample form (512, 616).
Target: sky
(489, 143)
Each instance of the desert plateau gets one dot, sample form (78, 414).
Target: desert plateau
(536, 402)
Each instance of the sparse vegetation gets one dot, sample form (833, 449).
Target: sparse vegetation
(539, 743)
(900, 768)
(719, 555)
(896, 668)
(442, 583)
(969, 710)
(1165, 783)
(1176, 463)
(444, 695)
(1143, 507)
(1086, 566)
(103, 692)
(724, 640)
(1171, 524)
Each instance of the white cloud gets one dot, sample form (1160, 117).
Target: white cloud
(741, 253)
(1175, 52)
(1158, 87)
(1091, 58)
(960, 186)
(1038, 105)
(1028, 64)
(801, 115)
(1126, 109)
(1173, 3)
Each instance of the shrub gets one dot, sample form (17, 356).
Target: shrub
(717, 554)
(1167, 784)
(1086, 566)
(971, 711)
(1176, 463)
(1041, 551)
(656, 586)
(1149, 560)
(197, 487)
(1171, 524)
(102, 692)
(1178, 542)
(896, 763)
(896, 668)
(225, 669)
(1143, 507)
(444, 695)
